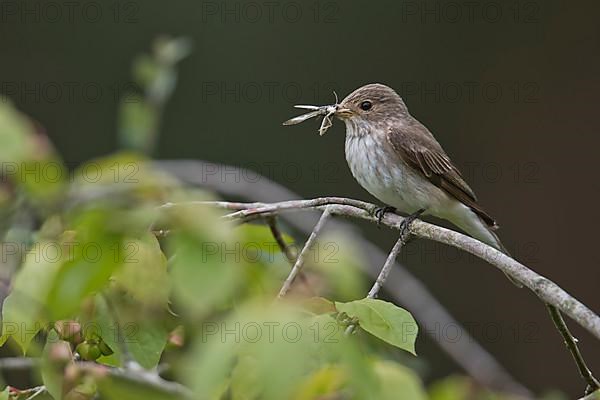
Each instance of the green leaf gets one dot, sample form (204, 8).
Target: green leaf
(261, 236)
(145, 263)
(5, 393)
(384, 320)
(462, 387)
(144, 337)
(245, 382)
(138, 123)
(324, 383)
(95, 252)
(202, 275)
(271, 342)
(338, 258)
(399, 382)
(28, 159)
(43, 181)
(14, 131)
(450, 388)
(77, 280)
(23, 311)
(146, 343)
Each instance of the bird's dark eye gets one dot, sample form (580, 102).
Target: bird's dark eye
(366, 105)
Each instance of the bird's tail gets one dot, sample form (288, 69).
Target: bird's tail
(478, 229)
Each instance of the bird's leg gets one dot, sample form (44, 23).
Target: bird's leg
(405, 224)
(381, 211)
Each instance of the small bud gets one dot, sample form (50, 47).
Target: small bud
(88, 352)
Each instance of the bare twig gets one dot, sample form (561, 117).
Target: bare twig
(385, 271)
(289, 253)
(285, 249)
(305, 250)
(18, 363)
(149, 379)
(140, 376)
(571, 343)
(387, 267)
(38, 391)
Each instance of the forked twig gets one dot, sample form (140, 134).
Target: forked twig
(302, 256)
(286, 250)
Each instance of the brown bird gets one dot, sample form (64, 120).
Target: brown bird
(396, 159)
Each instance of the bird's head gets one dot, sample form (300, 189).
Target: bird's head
(371, 103)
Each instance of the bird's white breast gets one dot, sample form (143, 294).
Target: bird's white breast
(378, 169)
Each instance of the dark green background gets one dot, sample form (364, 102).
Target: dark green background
(530, 151)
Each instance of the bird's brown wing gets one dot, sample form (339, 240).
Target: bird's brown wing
(419, 149)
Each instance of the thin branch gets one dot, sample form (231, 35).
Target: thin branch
(39, 390)
(571, 343)
(140, 376)
(289, 253)
(305, 250)
(18, 363)
(385, 271)
(387, 267)
(277, 235)
(31, 393)
(149, 379)
(251, 211)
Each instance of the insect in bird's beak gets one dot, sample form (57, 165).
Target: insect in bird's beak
(327, 112)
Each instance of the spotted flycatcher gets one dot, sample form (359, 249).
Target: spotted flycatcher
(396, 159)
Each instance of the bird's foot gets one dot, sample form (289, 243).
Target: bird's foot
(405, 224)
(380, 213)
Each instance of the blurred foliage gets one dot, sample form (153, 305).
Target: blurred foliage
(115, 266)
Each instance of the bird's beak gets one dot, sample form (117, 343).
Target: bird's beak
(342, 112)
